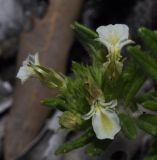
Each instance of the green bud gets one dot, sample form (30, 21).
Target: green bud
(70, 120)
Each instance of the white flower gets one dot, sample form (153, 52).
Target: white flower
(114, 37)
(26, 71)
(105, 121)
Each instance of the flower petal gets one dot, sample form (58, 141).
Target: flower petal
(36, 59)
(112, 35)
(26, 70)
(105, 124)
(105, 31)
(112, 104)
(89, 114)
(32, 59)
(122, 31)
(124, 43)
(24, 73)
(104, 35)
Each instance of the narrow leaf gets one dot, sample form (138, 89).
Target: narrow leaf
(148, 123)
(128, 126)
(147, 63)
(55, 102)
(136, 84)
(77, 143)
(150, 39)
(146, 97)
(150, 104)
(97, 147)
(84, 31)
(88, 39)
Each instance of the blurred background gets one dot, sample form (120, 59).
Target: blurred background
(28, 130)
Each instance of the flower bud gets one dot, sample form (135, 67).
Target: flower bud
(70, 120)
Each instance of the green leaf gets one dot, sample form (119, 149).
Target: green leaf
(92, 150)
(128, 126)
(56, 102)
(80, 70)
(86, 36)
(148, 123)
(150, 104)
(127, 79)
(77, 143)
(150, 39)
(97, 147)
(89, 40)
(130, 82)
(84, 31)
(136, 84)
(148, 64)
(97, 75)
(98, 54)
(146, 96)
(76, 96)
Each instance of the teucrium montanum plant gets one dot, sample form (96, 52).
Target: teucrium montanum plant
(102, 98)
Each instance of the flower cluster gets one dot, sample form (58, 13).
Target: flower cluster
(105, 121)
(103, 98)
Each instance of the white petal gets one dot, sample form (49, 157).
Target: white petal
(105, 124)
(32, 59)
(105, 34)
(36, 58)
(105, 31)
(112, 104)
(122, 31)
(90, 113)
(24, 73)
(112, 35)
(25, 62)
(106, 43)
(124, 43)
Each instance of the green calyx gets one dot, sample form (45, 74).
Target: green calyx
(70, 120)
